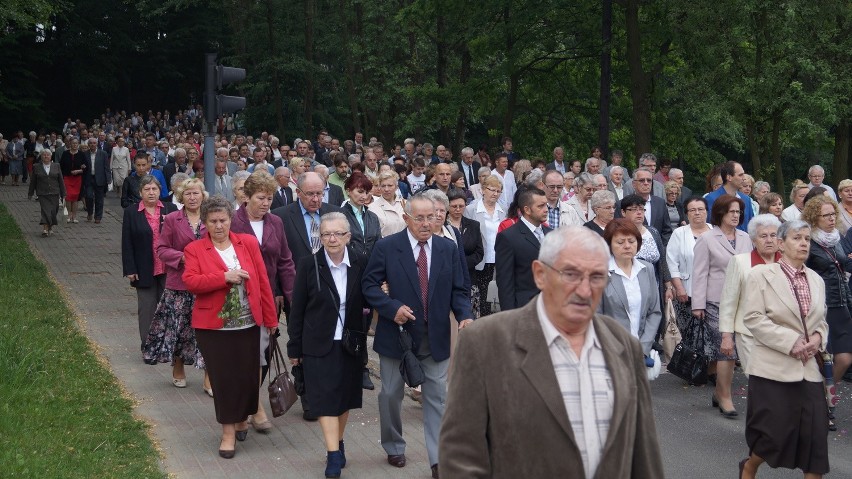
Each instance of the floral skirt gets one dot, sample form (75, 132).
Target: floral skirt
(171, 335)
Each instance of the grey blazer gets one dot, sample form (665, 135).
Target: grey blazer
(43, 184)
(614, 304)
(482, 434)
(712, 253)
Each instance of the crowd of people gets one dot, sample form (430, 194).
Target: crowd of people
(344, 239)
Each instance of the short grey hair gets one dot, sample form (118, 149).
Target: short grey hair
(613, 168)
(482, 170)
(766, 220)
(590, 160)
(321, 168)
(601, 198)
(584, 179)
(147, 180)
(467, 150)
(216, 204)
(647, 156)
(642, 170)
(789, 227)
(239, 175)
(758, 185)
(180, 150)
(416, 198)
(335, 216)
(573, 238)
(815, 169)
(177, 179)
(437, 195)
(281, 170)
(534, 177)
(674, 171)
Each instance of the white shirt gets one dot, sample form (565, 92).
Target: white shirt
(509, 187)
(791, 213)
(630, 281)
(46, 168)
(415, 248)
(257, 227)
(619, 191)
(488, 225)
(536, 230)
(92, 156)
(586, 387)
(417, 182)
(340, 274)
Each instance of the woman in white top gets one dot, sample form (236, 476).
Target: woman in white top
(679, 255)
(119, 163)
(844, 193)
(489, 213)
(631, 295)
(388, 206)
(476, 189)
(797, 197)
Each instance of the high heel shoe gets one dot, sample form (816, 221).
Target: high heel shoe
(713, 401)
(730, 414)
(333, 464)
(227, 453)
(742, 468)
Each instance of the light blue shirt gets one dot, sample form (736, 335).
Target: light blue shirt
(307, 217)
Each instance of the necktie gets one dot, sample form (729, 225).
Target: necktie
(539, 234)
(470, 176)
(222, 185)
(423, 276)
(315, 240)
(282, 195)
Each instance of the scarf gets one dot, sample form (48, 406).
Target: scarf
(828, 240)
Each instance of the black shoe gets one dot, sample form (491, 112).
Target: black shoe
(435, 471)
(241, 435)
(366, 382)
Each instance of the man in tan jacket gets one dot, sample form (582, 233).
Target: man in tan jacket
(552, 389)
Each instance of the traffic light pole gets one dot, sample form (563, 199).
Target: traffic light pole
(215, 106)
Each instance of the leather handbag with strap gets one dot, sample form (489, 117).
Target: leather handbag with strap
(282, 391)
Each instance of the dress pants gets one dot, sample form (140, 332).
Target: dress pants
(434, 399)
(95, 201)
(146, 304)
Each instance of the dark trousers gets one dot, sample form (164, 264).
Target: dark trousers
(95, 201)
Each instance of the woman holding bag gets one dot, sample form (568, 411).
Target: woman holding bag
(327, 311)
(787, 418)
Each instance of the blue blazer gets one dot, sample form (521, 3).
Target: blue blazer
(392, 260)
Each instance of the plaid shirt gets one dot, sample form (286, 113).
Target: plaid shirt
(798, 284)
(553, 215)
(586, 387)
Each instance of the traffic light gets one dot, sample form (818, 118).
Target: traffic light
(217, 77)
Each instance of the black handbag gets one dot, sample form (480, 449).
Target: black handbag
(688, 360)
(282, 391)
(355, 343)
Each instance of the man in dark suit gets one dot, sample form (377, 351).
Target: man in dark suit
(177, 166)
(283, 194)
(301, 227)
(96, 178)
(425, 278)
(676, 175)
(558, 162)
(656, 213)
(104, 144)
(469, 167)
(483, 434)
(517, 247)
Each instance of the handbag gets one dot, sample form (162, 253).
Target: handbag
(671, 335)
(688, 359)
(282, 391)
(355, 343)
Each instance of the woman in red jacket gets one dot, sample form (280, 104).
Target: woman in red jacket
(233, 300)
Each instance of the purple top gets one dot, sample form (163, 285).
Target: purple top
(175, 235)
(276, 253)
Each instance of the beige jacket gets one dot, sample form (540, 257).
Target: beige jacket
(772, 315)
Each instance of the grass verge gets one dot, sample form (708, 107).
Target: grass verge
(62, 413)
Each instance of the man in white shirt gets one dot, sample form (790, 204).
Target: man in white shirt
(817, 176)
(501, 162)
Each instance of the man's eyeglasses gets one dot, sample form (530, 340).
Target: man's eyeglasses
(311, 194)
(643, 180)
(553, 187)
(572, 276)
(338, 235)
(423, 219)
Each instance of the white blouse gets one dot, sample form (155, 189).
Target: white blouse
(680, 257)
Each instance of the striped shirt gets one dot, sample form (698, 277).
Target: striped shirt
(586, 387)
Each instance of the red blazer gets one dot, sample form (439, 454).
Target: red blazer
(204, 276)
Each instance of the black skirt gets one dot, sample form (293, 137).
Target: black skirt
(787, 424)
(839, 330)
(232, 358)
(332, 382)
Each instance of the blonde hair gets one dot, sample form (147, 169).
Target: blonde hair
(259, 181)
(797, 185)
(190, 183)
(813, 209)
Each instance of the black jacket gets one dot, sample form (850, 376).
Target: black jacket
(515, 249)
(471, 238)
(314, 315)
(137, 250)
(362, 243)
(823, 263)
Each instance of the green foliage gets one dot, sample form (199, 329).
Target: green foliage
(62, 413)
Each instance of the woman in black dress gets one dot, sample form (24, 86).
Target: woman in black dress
(327, 303)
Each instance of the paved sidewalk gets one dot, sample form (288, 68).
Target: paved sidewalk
(85, 260)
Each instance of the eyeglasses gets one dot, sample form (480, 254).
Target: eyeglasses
(572, 276)
(493, 190)
(735, 212)
(644, 180)
(610, 207)
(696, 210)
(553, 187)
(311, 194)
(634, 209)
(423, 219)
(338, 235)
(828, 216)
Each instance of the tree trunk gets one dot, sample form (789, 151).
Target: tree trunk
(606, 78)
(310, 12)
(350, 63)
(840, 166)
(461, 121)
(776, 154)
(754, 149)
(514, 76)
(441, 68)
(276, 83)
(639, 82)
